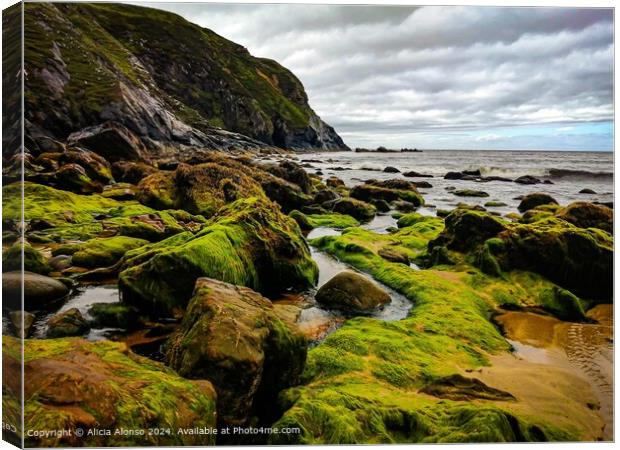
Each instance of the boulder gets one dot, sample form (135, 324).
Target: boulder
(527, 179)
(354, 208)
(389, 191)
(325, 195)
(422, 184)
(390, 169)
(102, 385)
(334, 182)
(200, 189)
(586, 215)
(114, 315)
(33, 260)
(249, 243)
(111, 140)
(470, 193)
(233, 337)
(535, 199)
(453, 176)
(67, 323)
(131, 171)
(39, 290)
(22, 322)
(414, 174)
(293, 173)
(100, 252)
(466, 228)
(352, 292)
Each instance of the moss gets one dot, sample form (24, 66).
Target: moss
(362, 381)
(248, 243)
(100, 252)
(301, 219)
(370, 192)
(103, 384)
(52, 205)
(33, 260)
(332, 220)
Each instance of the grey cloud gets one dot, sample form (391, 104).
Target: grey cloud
(377, 73)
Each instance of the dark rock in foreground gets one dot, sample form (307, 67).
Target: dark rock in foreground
(233, 337)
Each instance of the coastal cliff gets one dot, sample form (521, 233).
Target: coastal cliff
(154, 75)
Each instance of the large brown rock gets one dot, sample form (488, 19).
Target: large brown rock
(233, 337)
(353, 292)
(39, 290)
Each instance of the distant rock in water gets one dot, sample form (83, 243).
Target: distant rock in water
(587, 191)
(528, 179)
(165, 80)
(390, 169)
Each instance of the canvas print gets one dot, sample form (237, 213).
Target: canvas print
(229, 224)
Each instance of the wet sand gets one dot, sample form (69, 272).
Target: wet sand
(561, 369)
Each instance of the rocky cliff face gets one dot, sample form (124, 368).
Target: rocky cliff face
(169, 82)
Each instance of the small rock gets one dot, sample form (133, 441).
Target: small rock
(334, 182)
(423, 184)
(353, 292)
(390, 169)
(587, 191)
(68, 323)
(19, 317)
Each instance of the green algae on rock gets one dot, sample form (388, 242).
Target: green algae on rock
(74, 383)
(233, 337)
(362, 382)
(67, 323)
(32, 259)
(248, 243)
(100, 252)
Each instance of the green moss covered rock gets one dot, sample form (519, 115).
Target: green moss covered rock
(100, 252)
(74, 383)
(535, 199)
(355, 208)
(67, 323)
(33, 260)
(249, 243)
(114, 315)
(389, 191)
(232, 336)
(586, 215)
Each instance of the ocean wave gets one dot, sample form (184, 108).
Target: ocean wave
(369, 166)
(541, 172)
(570, 173)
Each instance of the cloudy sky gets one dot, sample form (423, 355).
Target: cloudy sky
(439, 77)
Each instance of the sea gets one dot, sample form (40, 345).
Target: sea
(569, 173)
